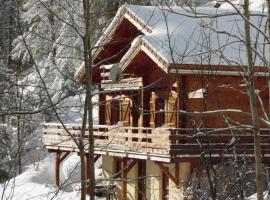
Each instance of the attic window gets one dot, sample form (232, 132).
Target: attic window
(197, 94)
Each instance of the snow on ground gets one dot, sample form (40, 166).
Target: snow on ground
(37, 182)
(254, 196)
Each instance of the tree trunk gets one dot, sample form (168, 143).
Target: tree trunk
(89, 104)
(253, 108)
(82, 153)
(19, 137)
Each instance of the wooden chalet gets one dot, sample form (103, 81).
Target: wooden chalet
(183, 94)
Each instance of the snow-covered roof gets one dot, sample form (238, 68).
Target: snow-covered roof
(211, 36)
(197, 36)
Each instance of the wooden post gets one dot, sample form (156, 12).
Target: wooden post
(102, 109)
(124, 178)
(57, 168)
(182, 101)
(58, 160)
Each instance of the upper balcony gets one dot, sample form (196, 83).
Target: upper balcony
(159, 144)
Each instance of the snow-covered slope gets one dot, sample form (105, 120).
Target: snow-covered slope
(37, 182)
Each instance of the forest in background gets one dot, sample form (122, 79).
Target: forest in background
(48, 34)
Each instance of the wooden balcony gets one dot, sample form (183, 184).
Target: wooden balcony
(159, 144)
(141, 143)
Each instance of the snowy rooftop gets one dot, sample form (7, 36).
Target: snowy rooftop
(199, 36)
(202, 36)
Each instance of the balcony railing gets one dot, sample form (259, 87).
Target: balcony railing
(162, 144)
(128, 141)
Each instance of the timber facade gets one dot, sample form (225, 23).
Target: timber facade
(163, 115)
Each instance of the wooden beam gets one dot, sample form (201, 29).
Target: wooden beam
(131, 165)
(176, 173)
(64, 156)
(96, 157)
(167, 172)
(124, 178)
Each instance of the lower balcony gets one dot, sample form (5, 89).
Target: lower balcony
(159, 144)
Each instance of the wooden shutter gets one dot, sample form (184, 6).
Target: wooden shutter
(125, 112)
(152, 110)
(108, 113)
(172, 108)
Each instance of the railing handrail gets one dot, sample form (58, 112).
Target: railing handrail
(72, 126)
(162, 141)
(160, 128)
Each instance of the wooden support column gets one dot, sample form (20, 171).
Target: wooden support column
(102, 109)
(57, 169)
(124, 179)
(58, 160)
(125, 168)
(182, 103)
